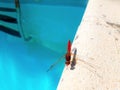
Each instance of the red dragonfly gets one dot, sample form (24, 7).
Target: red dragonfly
(67, 56)
(68, 60)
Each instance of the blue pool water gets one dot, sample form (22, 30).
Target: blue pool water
(23, 64)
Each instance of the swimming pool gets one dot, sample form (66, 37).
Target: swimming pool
(23, 64)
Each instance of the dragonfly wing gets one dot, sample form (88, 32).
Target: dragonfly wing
(61, 58)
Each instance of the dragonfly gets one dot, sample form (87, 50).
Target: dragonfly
(71, 59)
(67, 57)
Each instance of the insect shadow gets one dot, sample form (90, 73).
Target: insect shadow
(73, 63)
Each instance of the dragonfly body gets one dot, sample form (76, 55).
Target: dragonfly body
(68, 54)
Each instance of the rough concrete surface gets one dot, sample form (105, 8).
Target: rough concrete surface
(97, 44)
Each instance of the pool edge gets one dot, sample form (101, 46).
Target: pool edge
(99, 45)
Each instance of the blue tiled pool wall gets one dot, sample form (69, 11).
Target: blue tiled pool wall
(23, 64)
(54, 25)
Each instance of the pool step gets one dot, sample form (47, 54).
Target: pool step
(10, 31)
(7, 9)
(17, 21)
(8, 19)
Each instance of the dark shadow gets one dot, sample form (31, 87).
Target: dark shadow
(74, 59)
(8, 19)
(7, 9)
(10, 31)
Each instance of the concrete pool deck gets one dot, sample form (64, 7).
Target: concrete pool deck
(98, 49)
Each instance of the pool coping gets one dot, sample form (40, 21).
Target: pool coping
(97, 41)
